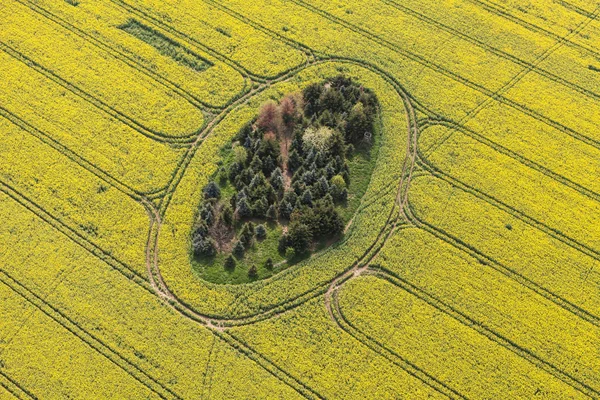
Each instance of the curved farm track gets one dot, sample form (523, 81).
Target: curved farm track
(400, 217)
(221, 323)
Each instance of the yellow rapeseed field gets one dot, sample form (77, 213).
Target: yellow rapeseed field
(96, 21)
(469, 270)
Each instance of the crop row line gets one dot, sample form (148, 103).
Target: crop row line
(438, 68)
(120, 116)
(14, 387)
(493, 8)
(575, 8)
(120, 56)
(74, 235)
(491, 200)
(82, 162)
(513, 81)
(95, 251)
(285, 377)
(387, 353)
(482, 329)
(194, 42)
(509, 153)
(500, 53)
(269, 32)
(93, 342)
(509, 272)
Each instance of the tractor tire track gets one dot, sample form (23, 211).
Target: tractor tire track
(452, 75)
(480, 328)
(99, 104)
(389, 354)
(120, 267)
(423, 125)
(15, 388)
(121, 56)
(488, 261)
(92, 341)
(71, 155)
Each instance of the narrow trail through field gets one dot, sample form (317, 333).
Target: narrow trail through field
(400, 217)
(401, 203)
(220, 324)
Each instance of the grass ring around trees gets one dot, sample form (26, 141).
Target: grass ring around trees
(288, 183)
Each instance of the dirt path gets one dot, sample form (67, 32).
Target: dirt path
(401, 201)
(221, 324)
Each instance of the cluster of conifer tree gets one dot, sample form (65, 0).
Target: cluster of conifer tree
(288, 166)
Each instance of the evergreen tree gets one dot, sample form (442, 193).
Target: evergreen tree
(226, 215)
(311, 97)
(327, 221)
(261, 232)
(203, 246)
(247, 234)
(358, 124)
(321, 187)
(260, 208)
(243, 209)
(331, 99)
(234, 170)
(239, 249)
(230, 262)
(299, 237)
(327, 119)
(212, 191)
(253, 272)
(272, 213)
(269, 264)
(244, 133)
(285, 209)
(307, 198)
(294, 160)
(276, 179)
(268, 165)
(256, 165)
(207, 213)
(201, 230)
(283, 243)
(343, 195)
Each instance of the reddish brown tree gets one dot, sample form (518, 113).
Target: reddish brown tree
(289, 109)
(269, 117)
